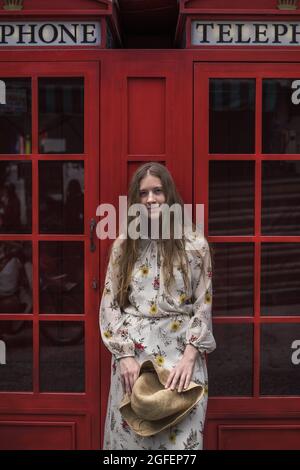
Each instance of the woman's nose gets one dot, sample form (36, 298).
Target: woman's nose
(150, 197)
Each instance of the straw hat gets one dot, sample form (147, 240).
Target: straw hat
(151, 408)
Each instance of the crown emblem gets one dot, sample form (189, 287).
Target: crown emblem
(13, 4)
(287, 4)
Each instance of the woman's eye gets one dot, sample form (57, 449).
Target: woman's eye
(158, 191)
(143, 193)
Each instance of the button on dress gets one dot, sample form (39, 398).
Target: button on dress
(158, 325)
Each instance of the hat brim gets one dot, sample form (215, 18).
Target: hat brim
(146, 428)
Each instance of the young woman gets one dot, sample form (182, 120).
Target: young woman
(156, 304)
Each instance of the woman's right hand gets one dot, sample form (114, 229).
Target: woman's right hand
(129, 368)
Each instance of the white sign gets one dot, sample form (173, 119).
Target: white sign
(2, 92)
(245, 33)
(54, 33)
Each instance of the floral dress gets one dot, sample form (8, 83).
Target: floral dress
(158, 325)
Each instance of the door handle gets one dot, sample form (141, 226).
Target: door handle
(93, 224)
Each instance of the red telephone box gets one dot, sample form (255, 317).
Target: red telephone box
(78, 114)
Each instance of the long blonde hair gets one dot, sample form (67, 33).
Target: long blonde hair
(171, 249)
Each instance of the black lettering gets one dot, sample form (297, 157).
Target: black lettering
(259, 33)
(294, 34)
(277, 33)
(65, 30)
(204, 31)
(223, 33)
(6, 31)
(87, 33)
(22, 33)
(240, 34)
(54, 31)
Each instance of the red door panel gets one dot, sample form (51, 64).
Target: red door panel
(49, 253)
(247, 153)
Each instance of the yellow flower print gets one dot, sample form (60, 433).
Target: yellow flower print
(172, 437)
(144, 270)
(175, 325)
(207, 297)
(153, 309)
(159, 360)
(205, 389)
(107, 334)
(182, 298)
(106, 291)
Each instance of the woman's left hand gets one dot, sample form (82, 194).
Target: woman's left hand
(182, 373)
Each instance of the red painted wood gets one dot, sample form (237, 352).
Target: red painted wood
(85, 403)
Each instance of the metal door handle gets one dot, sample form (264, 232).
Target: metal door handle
(93, 224)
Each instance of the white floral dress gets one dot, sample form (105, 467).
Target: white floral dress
(157, 325)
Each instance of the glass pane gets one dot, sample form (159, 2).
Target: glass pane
(233, 267)
(280, 198)
(231, 198)
(281, 117)
(230, 365)
(231, 115)
(62, 357)
(280, 357)
(61, 277)
(15, 115)
(15, 277)
(16, 356)
(15, 197)
(61, 123)
(61, 197)
(280, 279)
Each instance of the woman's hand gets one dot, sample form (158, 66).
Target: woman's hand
(129, 368)
(183, 371)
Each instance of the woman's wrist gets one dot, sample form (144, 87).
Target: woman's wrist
(191, 352)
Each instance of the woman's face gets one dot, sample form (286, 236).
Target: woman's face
(152, 195)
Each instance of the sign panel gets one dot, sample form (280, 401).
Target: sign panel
(245, 33)
(54, 33)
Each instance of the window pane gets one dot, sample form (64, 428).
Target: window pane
(16, 356)
(15, 277)
(15, 197)
(280, 198)
(62, 357)
(231, 115)
(15, 116)
(61, 197)
(233, 278)
(231, 198)
(281, 117)
(280, 279)
(61, 121)
(61, 277)
(230, 366)
(280, 358)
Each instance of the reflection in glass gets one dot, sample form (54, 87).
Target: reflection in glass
(280, 279)
(61, 277)
(15, 116)
(231, 197)
(15, 277)
(231, 115)
(280, 198)
(62, 357)
(230, 366)
(61, 197)
(233, 278)
(61, 121)
(279, 359)
(281, 117)
(16, 356)
(15, 197)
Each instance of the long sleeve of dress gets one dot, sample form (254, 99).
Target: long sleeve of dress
(114, 332)
(199, 332)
